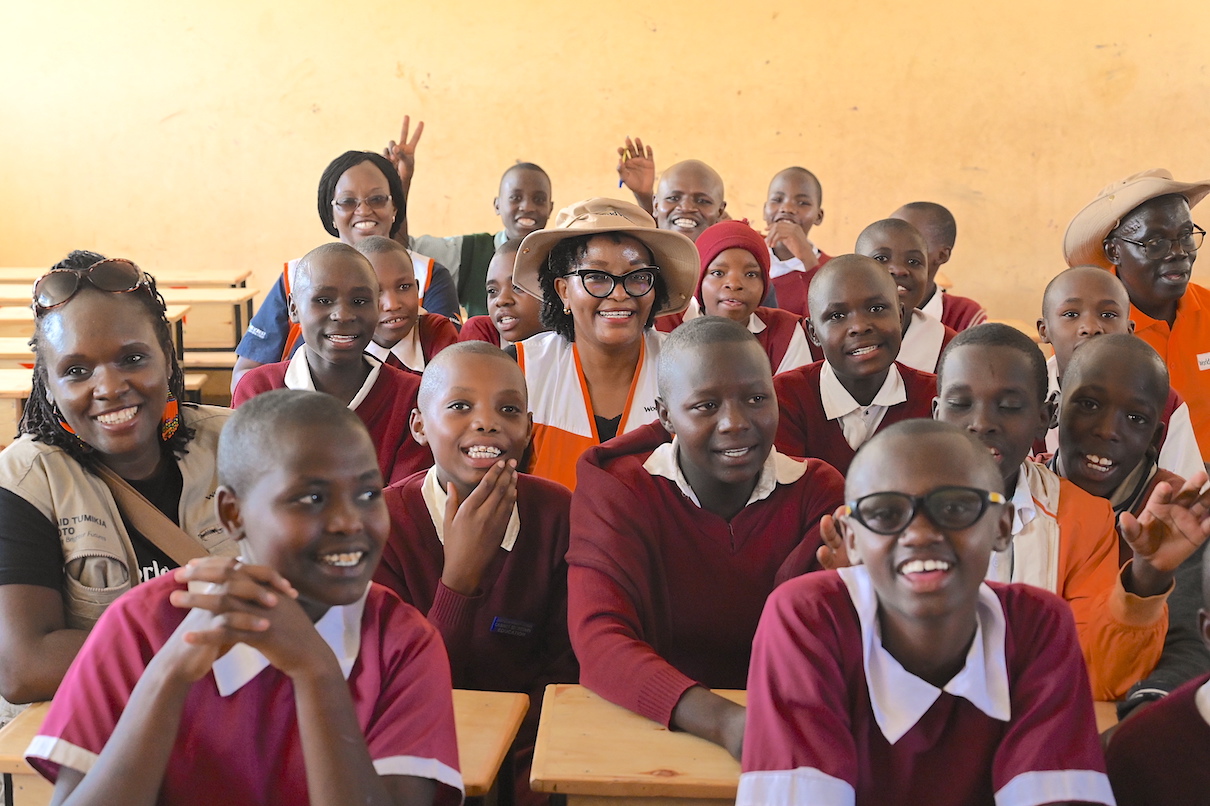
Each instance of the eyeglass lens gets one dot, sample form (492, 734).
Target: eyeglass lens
(601, 284)
(949, 508)
(114, 276)
(350, 203)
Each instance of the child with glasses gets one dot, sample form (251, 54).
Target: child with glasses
(907, 678)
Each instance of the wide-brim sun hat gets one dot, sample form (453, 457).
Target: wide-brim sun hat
(1083, 244)
(674, 253)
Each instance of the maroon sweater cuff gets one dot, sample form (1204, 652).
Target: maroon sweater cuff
(660, 693)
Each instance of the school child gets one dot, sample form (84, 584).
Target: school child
(689, 197)
(936, 224)
(282, 678)
(1087, 301)
(829, 408)
(1161, 755)
(335, 299)
(907, 678)
(992, 382)
(1109, 426)
(902, 250)
(406, 337)
(681, 528)
(513, 315)
(793, 205)
(732, 283)
(1140, 228)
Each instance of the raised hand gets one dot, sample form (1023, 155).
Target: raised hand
(793, 239)
(474, 528)
(636, 168)
(1170, 528)
(403, 154)
(832, 554)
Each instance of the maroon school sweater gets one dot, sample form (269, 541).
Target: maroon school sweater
(774, 339)
(792, 287)
(662, 594)
(959, 313)
(480, 328)
(385, 412)
(436, 333)
(804, 429)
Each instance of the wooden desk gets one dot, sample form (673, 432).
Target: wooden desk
(487, 722)
(21, 317)
(221, 277)
(598, 753)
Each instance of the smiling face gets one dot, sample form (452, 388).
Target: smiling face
(793, 196)
(938, 249)
(732, 285)
(335, 301)
(1154, 285)
(689, 198)
(992, 393)
(1113, 401)
(108, 374)
(363, 181)
(619, 319)
(1081, 303)
(524, 203)
(476, 414)
(924, 573)
(516, 314)
(315, 514)
(398, 296)
(903, 252)
(718, 400)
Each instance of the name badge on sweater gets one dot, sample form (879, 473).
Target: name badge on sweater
(1203, 361)
(513, 627)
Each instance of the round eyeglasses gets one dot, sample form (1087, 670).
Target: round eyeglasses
(349, 204)
(115, 275)
(890, 513)
(1159, 248)
(600, 284)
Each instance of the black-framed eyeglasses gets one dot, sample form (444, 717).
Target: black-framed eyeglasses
(115, 275)
(601, 284)
(349, 204)
(1157, 248)
(889, 513)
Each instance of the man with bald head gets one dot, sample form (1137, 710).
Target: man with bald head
(689, 197)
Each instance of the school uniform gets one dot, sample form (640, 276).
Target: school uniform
(780, 333)
(564, 423)
(468, 258)
(1161, 756)
(955, 312)
(792, 280)
(833, 718)
(663, 594)
(923, 342)
(239, 741)
(431, 334)
(1065, 541)
(1185, 348)
(480, 328)
(384, 403)
(1179, 450)
(820, 419)
(511, 635)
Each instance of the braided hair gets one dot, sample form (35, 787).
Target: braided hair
(41, 418)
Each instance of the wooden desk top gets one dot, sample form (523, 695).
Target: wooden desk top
(23, 314)
(587, 746)
(487, 723)
(15, 348)
(207, 296)
(223, 276)
(16, 384)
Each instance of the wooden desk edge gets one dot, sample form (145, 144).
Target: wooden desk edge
(16, 736)
(485, 777)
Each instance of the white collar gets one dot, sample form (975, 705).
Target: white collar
(837, 402)
(921, 345)
(755, 323)
(936, 304)
(1024, 509)
(298, 376)
(899, 698)
(340, 629)
(778, 469)
(1202, 700)
(435, 499)
(779, 267)
(1052, 372)
(408, 350)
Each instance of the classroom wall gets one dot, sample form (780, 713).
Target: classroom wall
(194, 134)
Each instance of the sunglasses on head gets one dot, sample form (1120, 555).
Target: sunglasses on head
(115, 275)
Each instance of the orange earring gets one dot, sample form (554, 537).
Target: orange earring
(171, 420)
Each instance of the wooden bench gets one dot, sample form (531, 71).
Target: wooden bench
(221, 277)
(486, 721)
(19, 320)
(208, 359)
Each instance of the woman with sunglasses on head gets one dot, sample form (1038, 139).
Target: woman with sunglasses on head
(104, 423)
(357, 199)
(603, 273)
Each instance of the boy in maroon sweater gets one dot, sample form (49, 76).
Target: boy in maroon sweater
(335, 300)
(512, 314)
(476, 545)
(829, 408)
(682, 528)
(939, 230)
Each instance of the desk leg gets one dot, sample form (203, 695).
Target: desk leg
(180, 339)
(239, 322)
(8, 789)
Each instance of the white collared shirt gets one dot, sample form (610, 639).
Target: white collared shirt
(1000, 568)
(898, 698)
(298, 376)
(935, 305)
(921, 345)
(777, 469)
(407, 350)
(778, 267)
(435, 499)
(859, 422)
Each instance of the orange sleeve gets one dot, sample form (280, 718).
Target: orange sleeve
(1121, 635)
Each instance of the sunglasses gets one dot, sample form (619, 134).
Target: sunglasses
(948, 507)
(115, 275)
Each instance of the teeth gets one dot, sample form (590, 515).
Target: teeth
(342, 339)
(506, 320)
(863, 350)
(394, 321)
(1099, 463)
(118, 417)
(365, 225)
(900, 288)
(736, 452)
(482, 452)
(345, 560)
(923, 566)
(616, 314)
(684, 223)
(526, 222)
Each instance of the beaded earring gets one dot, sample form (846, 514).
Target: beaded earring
(171, 420)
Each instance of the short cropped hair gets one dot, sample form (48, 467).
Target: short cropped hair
(912, 430)
(995, 334)
(434, 379)
(940, 219)
(379, 245)
(692, 336)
